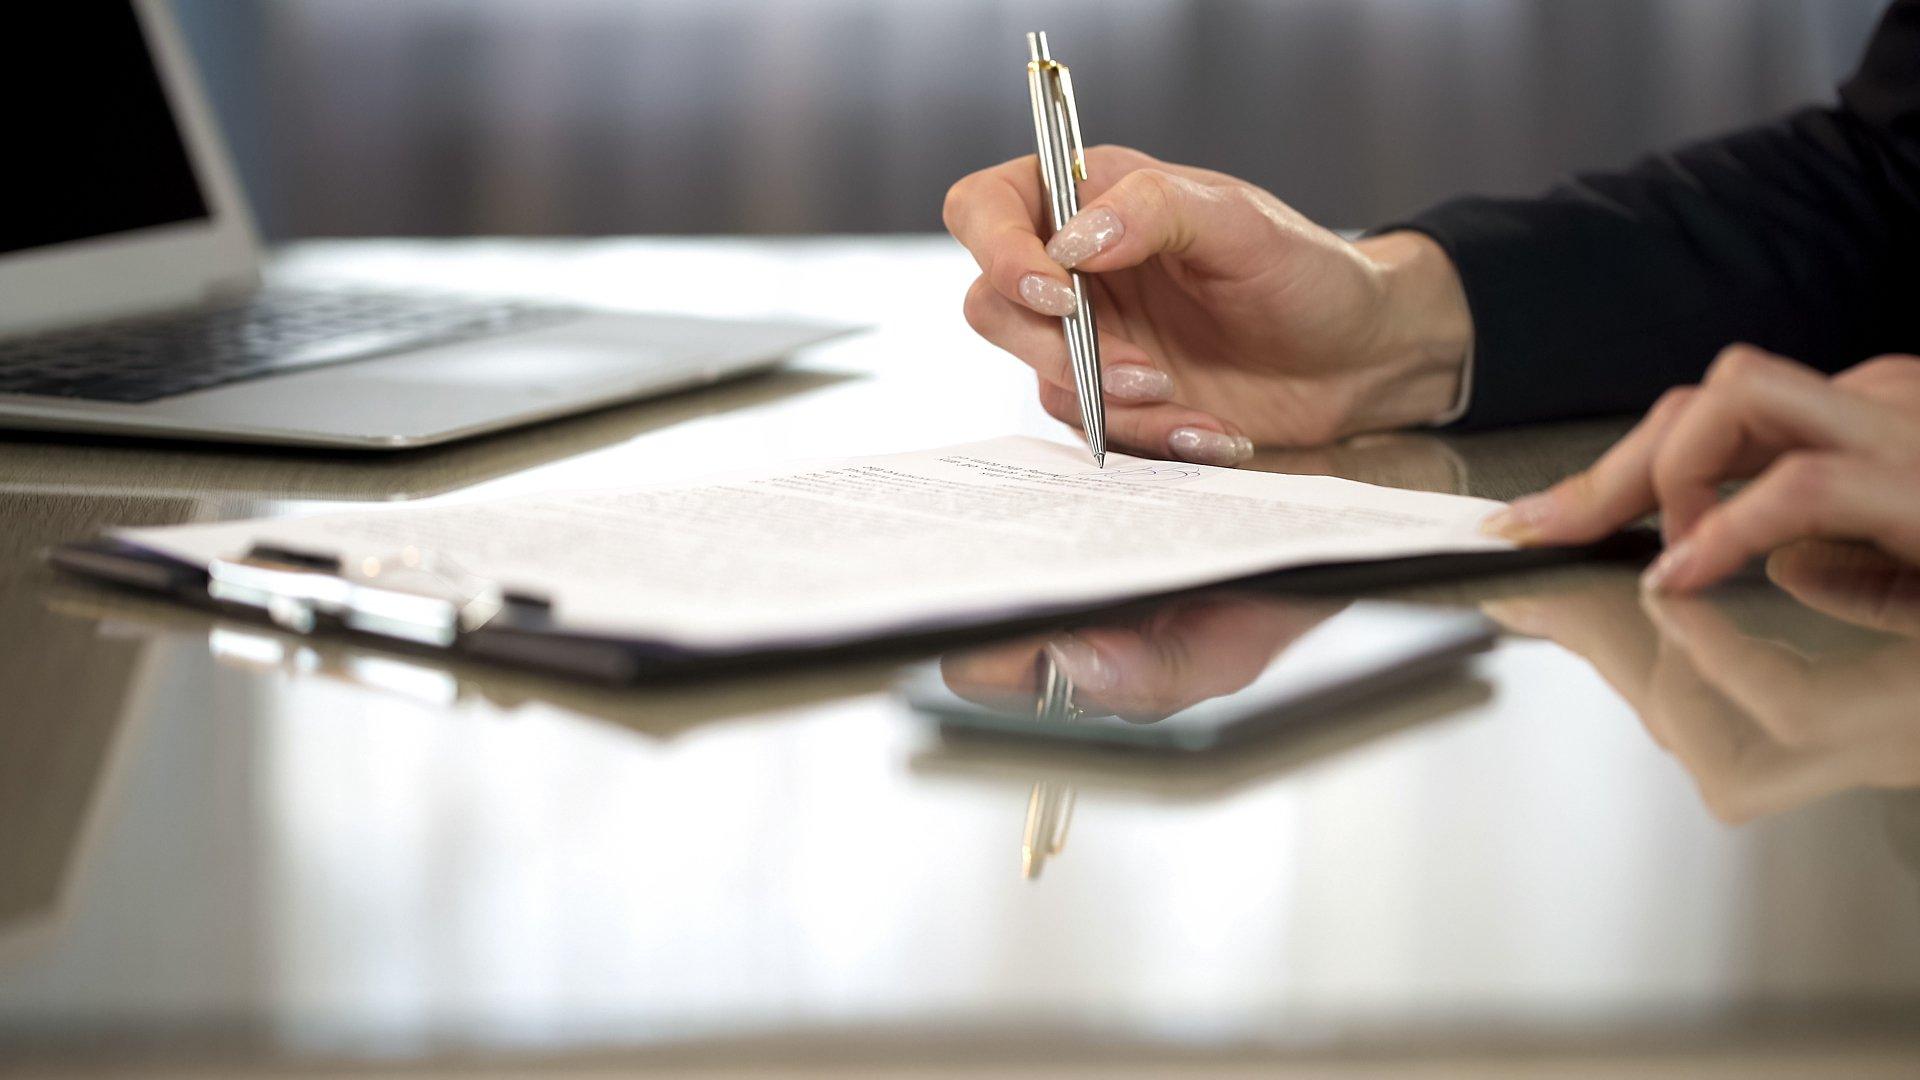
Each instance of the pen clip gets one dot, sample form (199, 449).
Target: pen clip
(1059, 88)
(1065, 81)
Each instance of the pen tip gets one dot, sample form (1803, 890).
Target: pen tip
(1100, 460)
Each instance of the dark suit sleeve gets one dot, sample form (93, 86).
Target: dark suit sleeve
(1800, 237)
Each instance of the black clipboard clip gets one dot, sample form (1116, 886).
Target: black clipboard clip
(412, 594)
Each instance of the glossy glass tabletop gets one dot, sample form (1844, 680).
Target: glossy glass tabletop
(1629, 820)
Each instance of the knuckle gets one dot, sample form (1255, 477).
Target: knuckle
(1253, 198)
(978, 304)
(1737, 363)
(1160, 196)
(1873, 370)
(1803, 480)
(1882, 373)
(955, 202)
(1673, 402)
(1154, 189)
(1250, 202)
(1673, 470)
(1059, 404)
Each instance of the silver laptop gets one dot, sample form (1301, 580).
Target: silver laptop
(131, 299)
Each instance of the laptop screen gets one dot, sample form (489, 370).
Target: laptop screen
(90, 145)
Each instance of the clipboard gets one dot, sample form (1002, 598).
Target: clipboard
(411, 605)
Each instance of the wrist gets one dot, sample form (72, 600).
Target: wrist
(1422, 334)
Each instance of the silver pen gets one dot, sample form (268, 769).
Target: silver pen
(1063, 162)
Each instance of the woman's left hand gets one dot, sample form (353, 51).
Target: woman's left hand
(1837, 458)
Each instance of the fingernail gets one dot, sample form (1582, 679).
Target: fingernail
(1082, 663)
(1088, 234)
(1669, 569)
(1136, 382)
(1209, 447)
(1047, 296)
(1523, 520)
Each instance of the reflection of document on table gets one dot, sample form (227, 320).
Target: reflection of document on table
(850, 548)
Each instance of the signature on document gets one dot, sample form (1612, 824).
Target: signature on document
(1146, 474)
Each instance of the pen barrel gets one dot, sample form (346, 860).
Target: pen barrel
(1083, 350)
(1056, 134)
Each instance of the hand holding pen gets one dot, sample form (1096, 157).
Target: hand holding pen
(1225, 316)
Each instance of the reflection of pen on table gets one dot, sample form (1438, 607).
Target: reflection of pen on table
(1049, 812)
(1050, 805)
(1063, 162)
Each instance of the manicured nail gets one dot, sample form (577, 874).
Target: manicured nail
(1082, 663)
(1209, 447)
(1088, 234)
(1047, 296)
(1670, 569)
(1523, 520)
(1136, 382)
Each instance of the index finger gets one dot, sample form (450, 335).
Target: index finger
(1754, 405)
(995, 214)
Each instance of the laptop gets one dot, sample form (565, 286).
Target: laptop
(132, 300)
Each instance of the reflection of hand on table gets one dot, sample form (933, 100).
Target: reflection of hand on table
(1182, 652)
(1761, 726)
(1852, 583)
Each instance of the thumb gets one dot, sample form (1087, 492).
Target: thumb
(1151, 212)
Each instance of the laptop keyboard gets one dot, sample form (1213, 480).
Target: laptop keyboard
(273, 331)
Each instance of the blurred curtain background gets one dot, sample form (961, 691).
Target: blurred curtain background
(436, 117)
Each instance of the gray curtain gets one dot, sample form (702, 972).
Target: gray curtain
(695, 116)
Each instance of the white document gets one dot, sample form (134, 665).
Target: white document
(834, 550)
